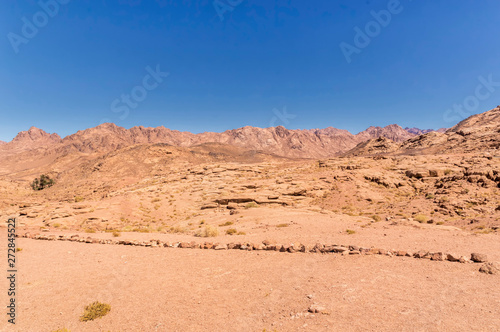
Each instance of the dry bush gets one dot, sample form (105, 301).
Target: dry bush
(95, 310)
(208, 231)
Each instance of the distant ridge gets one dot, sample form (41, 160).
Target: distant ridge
(307, 143)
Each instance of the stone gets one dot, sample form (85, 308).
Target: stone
(452, 257)
(317, 309)
(208, 245)
(220, 247)
(478, 258)
(490, 268)
(464, 259)
(209, 206)
(437, 256)
(339, 249)
(421, 254)
(232, 206)
(258, 246)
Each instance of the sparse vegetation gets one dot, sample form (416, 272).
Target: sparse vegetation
(376, 218)
(282, 225)
(231, 231)
(350, 231)
(227, 223)
(79, 199)
(19, 249)
(421, 218)
(251, 205)
(208, 231)
(116, 233)
(44, 181)
(94, 311)
(177, 229)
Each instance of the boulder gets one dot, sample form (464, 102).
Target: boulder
(478, 258)
(490, 268)
(220, 247)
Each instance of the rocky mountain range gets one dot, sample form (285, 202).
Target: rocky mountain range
(308, 143)
(478, 132)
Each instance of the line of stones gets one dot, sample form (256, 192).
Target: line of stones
(267, 245)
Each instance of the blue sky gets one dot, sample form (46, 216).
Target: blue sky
(258, 63)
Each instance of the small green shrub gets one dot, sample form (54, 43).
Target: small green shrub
(95, 310)
(231, 231)
(350, 231)
(44, 181)
(227, 223)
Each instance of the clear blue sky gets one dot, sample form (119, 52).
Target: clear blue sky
(231, 70)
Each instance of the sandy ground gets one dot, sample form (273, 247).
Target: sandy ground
(168, 289)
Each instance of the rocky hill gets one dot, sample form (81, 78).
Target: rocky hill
(373, 147)
(478, 133)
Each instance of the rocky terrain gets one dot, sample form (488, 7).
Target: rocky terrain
(397, 232)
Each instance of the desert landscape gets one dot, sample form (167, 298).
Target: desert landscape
(256, 229)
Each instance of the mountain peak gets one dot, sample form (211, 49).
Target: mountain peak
(35, 134)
